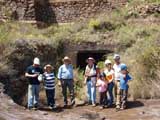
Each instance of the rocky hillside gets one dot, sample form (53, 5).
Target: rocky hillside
(133, 31)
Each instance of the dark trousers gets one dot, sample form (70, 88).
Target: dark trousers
(50, 97)
(102, 98)
(67, 83)
(110, 93)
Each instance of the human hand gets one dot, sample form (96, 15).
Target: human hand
(35, 75)
(85, 81)
(59, 83)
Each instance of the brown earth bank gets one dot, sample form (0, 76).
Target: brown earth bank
(137, 110)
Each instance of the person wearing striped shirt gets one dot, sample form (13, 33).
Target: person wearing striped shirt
(49, 81)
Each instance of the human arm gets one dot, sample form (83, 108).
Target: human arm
(59, 76)
(30, 75)
(98, 84)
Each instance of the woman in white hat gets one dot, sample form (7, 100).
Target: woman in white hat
(90, 75)
(65, 75)
(109, 74)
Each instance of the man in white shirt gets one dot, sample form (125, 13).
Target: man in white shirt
(117, 69)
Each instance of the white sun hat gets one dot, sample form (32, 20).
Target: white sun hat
(91, 58)
(36, 61)
(107, 62)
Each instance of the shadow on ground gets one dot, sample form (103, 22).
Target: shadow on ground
(134, 104)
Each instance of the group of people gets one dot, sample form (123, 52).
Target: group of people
(111, 77)
(116, 76)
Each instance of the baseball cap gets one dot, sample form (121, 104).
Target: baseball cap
(123, 67)
(36, 61)
(116, 56)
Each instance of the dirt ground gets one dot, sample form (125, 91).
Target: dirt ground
(137, 110)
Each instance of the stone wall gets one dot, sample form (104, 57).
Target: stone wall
(72, 50)
(50, 11)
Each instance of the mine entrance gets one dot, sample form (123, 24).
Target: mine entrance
(83, 55)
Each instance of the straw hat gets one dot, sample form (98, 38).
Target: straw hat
(66, 58)
(48, 66)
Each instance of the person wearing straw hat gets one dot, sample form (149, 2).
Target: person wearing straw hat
(90, 76)
(49, 80)
(32, 74)
(65, 75)
(109, 74)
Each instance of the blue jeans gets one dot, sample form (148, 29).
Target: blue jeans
(33, 95)
(91, 90)
(110, 93)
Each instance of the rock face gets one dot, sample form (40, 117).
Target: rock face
(17, 58)
(50, 11)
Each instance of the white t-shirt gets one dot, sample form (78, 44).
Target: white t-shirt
(117, 69)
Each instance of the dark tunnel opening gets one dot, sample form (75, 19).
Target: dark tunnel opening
(83, 55)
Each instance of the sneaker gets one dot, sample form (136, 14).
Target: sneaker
(122, 108)
(54, 107)
(30, 108)
(123, 105)
(36, 106)
(73, 102)
(93, 105)
(65, 105)
(89, 102)
(50, 107)
(117, 108)
(101, 107)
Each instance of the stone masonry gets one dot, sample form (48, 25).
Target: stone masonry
(51, 11)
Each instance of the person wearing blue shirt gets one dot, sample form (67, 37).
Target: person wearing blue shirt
(124, 78)
(65, 75)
